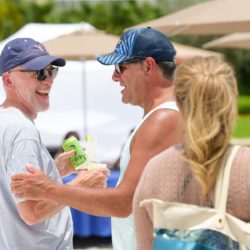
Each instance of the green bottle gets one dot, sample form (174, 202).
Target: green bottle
(79, 156)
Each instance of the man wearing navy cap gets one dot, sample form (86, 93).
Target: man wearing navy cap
(144, 61)
(27, 72)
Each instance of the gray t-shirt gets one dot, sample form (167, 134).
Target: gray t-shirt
(20, 144)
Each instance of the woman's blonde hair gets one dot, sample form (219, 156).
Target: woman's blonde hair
(206, 91)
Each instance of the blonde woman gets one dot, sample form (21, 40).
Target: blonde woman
(206, 93)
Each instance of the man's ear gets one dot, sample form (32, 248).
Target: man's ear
(150, 65)
(7, 82)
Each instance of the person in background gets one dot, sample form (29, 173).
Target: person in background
(206, 93)
(144, 61)
(28, 71)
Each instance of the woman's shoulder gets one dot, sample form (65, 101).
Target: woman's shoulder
(243, 155)
(170, 156)
(164, 165)
(243, 151)
(173, 151)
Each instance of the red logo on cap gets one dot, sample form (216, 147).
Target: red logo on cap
(39, 46)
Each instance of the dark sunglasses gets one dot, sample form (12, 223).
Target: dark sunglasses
(41, 74)
(119, 67)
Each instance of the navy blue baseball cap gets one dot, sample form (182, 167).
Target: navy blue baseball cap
(140, 43)
(28, 54)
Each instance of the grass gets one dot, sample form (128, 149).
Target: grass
(242, 128)
(243, 104)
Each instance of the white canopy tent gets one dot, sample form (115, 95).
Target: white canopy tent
(109, 121)
(46, 31)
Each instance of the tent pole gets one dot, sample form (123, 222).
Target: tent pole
(84, 94)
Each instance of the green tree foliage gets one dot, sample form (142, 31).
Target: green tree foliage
(240, 59)
(10, 18)
(111, 16)
(33, 12)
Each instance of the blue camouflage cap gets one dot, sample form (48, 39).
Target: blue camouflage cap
(140, 43)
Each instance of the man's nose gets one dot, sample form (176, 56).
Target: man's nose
(116, 76)
(48, 80)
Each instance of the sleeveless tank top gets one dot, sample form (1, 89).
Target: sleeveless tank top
(123, 233)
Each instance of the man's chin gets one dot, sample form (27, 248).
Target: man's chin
(44, 108)
(124, 100)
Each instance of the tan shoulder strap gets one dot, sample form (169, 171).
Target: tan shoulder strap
(223, 179)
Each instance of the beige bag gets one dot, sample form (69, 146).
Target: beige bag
(185, 224)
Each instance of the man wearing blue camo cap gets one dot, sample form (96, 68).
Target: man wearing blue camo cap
(144, 61)
(27, 72)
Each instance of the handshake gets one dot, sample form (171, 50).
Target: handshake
(79, 157)
(88, 174)
(84, 153)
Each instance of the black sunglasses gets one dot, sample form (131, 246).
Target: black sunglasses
(119, 67)
(41, 74)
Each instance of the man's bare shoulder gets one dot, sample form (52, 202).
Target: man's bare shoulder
(162, 119)
(162, 127)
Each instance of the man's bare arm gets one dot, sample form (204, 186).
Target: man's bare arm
(155, 135)
(33, 212)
